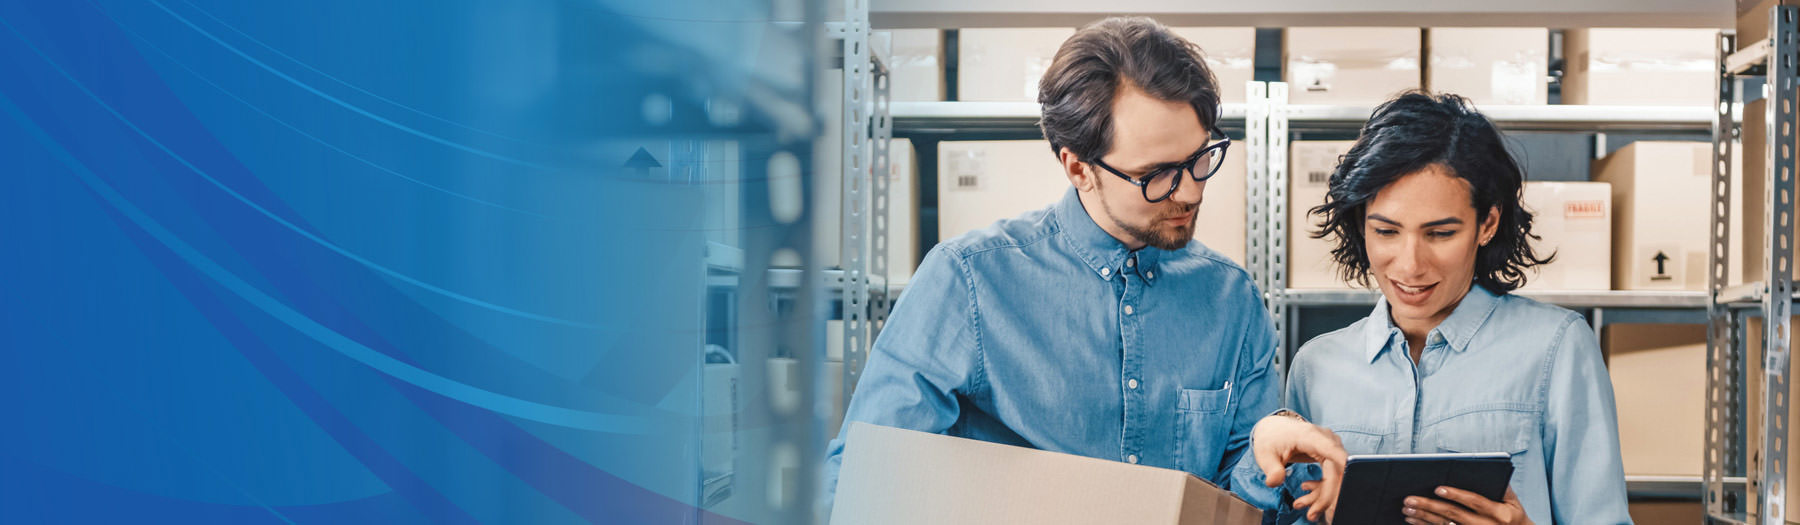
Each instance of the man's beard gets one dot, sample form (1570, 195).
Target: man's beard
(1165, 238)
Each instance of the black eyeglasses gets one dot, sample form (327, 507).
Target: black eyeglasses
(1162, 181)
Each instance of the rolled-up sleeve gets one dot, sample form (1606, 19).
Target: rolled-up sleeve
(928, 353)
(1581, 434)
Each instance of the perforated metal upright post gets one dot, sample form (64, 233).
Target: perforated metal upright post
(1278, 219)
(882, 134)
(854, 281)
(1723, 354)
(1778, 246)
(1256, 186)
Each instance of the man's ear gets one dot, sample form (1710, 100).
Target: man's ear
(1079, 174)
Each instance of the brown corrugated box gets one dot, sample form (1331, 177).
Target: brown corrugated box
(1489, 65)
(893, 476)
(1350, 65)
(1639, 67)
(1661, 198)
(1659, 384)
(1753, 19)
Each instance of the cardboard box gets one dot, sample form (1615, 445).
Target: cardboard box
(980, 182)
(1661, 201)
(1639, 67)
(1309, 175)
(1573, 220)
(1754, 371)
(891, 475)
(1489, 65)
(1350, 65)
(1659, 381)
(1667, 512)
(916, 65)
(1753, 19)
(903, 212)
(1004, 65)
(1230, 52)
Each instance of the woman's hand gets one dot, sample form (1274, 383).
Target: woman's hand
(1464, 508)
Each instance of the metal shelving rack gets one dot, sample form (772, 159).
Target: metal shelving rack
(861, 280)
(1762, 498)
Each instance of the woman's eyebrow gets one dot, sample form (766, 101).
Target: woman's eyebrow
(1439, 222)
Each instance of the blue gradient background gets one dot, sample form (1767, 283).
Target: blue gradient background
(332, 262)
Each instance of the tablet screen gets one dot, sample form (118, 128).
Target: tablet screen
(1376, 486)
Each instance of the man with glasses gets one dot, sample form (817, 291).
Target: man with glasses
(1094, 326)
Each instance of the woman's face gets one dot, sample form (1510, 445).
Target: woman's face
(1421, 235)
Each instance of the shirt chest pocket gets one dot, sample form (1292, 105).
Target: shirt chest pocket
(1202, 429)
(1486, 432)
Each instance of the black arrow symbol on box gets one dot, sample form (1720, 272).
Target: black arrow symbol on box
(642, 162)
(1660, 258)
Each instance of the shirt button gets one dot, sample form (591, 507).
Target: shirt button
(1132, 459)
(1132, 262)
(1106, 272)
(1131, 384)
(1151, 274)
(1128, 309)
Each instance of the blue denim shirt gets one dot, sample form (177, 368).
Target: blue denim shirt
(1044, 331)
(1500, 374)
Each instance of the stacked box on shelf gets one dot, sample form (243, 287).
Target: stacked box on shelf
(916, 65)
(980, 182)
(1231, 54)
(1350, 65)
(1659, 383)
(1489, 65)
(1753, 19)
(1310, 165)
(1572, 220)
(1005, 65)
(903, 212)
(1639, 67)
(1661, 196)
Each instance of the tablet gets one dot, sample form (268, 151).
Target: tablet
(1376, 486)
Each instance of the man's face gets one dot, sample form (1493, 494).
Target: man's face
(1147, 133)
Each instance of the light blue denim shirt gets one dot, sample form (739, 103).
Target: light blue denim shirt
(1500, 374)
(1046, 332)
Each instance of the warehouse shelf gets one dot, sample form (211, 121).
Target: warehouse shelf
(1535, 118)
(975, 117)
(1670, 487)
(1568, 299)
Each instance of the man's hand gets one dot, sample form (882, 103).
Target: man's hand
(1282, 440)
(1465, 508)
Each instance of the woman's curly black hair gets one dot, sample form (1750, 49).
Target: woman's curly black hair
(1415, 130)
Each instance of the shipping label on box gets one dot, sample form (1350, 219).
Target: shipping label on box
(893, 476)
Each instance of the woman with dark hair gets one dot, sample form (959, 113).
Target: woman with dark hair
(1426, 204)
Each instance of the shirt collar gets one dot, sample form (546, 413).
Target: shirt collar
(1105, 256)
(1457, 330)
